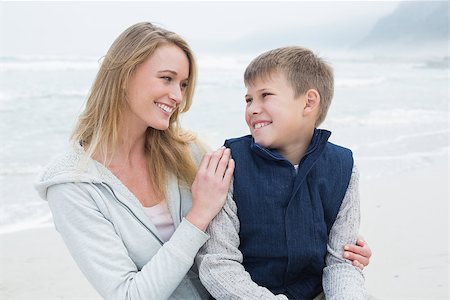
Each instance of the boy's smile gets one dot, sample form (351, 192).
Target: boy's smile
(275, 116)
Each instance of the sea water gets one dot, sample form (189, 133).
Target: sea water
(393, 114)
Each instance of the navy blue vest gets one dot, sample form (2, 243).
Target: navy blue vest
(285, 215)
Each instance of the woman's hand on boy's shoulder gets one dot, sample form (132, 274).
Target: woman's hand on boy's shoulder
(210, 187)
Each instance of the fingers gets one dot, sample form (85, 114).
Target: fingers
(229, 172)
(205, 162)
(360, 248)
(358, 264)
(360, 241)
(218, 163)
(364, 250)
(214, 161)
(356, 258)
(223, 162)
(359, 254)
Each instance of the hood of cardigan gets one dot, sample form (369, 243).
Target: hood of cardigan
(73, 166)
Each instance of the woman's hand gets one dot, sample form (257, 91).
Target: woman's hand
(210, 187)
(359, 254)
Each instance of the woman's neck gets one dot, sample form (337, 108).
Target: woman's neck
(129, 151)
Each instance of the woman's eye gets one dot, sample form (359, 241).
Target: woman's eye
(167, 78)
(184, 85)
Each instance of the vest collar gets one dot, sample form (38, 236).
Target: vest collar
(319, 138)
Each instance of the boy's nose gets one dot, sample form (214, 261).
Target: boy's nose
(254, 108)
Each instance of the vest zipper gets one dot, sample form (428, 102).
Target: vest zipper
(131, 212)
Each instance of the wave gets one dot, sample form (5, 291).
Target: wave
(408, 156)
(47, 63)
(407, 137)
(20, 95)
(394, 117)
(19, 169)
(43, 222)
(354, 82)
(17, 217)
(56, 65)
(238, 62)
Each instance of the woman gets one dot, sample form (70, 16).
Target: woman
(133, 198)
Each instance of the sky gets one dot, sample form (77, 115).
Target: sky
(89, 28)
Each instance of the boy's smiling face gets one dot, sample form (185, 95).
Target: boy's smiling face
(274, 115)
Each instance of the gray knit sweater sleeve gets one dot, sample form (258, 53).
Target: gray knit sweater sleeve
(341, 280)
(220, 261)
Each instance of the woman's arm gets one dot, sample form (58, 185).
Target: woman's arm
(102, 256)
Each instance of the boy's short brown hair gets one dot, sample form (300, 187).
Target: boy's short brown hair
(303, 69)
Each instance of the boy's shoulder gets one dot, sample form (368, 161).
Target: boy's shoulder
(336, 154)
(246, 139)
(337, 148)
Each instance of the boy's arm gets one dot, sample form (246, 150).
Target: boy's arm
(219, 260)
(342, 280)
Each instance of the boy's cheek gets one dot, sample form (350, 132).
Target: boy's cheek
(247, 120)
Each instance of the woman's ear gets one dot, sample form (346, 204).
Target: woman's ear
(312, 102)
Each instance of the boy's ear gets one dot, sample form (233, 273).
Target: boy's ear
(312, 101)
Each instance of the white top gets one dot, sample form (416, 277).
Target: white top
(160, 216)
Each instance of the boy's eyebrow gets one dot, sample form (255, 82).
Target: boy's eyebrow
(262, 90)
(259, 91)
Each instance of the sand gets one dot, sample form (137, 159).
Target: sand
(404, 218)
(35, 264)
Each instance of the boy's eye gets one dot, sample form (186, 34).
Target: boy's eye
(265, 94)
(248, 100)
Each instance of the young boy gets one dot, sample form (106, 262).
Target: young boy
(295, 202)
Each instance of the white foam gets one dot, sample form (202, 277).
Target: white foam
(20, 216)
(19, 95)
(19, 169)
(408, 156)
(406, 137)
(354, 82)
(223, 62)
(49, 63)
(42, 222)
(47, 66)
(394, 117)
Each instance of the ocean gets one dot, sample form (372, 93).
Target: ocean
(392, 112)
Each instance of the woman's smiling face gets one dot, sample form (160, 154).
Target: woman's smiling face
(156, 88)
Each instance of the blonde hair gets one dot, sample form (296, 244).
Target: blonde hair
(98, 125)
(303, 69)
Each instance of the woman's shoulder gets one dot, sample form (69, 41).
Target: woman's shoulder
(198, 149)
(68, 167)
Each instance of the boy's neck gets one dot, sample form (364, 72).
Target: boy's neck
(295, 152)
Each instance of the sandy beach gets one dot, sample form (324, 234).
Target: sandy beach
(35, 264)
(405, 219)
